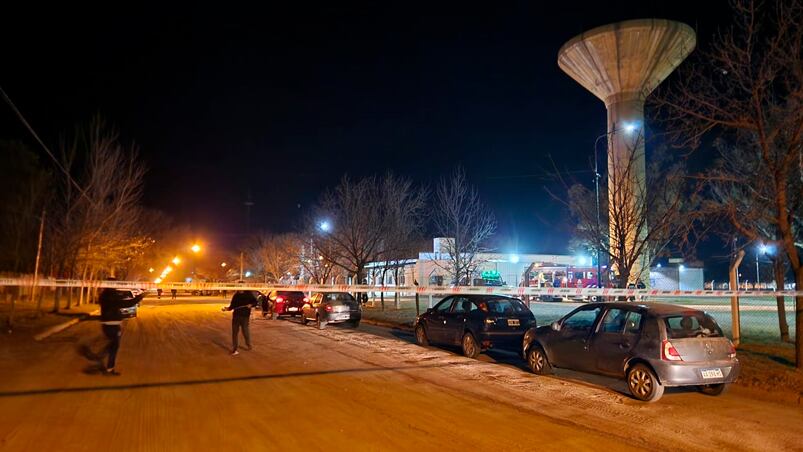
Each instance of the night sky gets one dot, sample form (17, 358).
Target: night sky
(282, 102)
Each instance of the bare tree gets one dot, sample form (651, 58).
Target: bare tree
(354, 222)
(462, 217)
(748, 87)
(275, 256)
(638, 222)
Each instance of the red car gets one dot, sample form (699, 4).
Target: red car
(284, 303)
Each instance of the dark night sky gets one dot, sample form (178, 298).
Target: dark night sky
(285, 101)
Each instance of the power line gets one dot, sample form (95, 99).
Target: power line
(42, 143)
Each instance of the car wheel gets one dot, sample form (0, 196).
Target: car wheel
(470, 347)
(421, 336)
(537, 360)
(713, 390)
(321, 324)
(643, 383)
(304, 320)
(354, 323)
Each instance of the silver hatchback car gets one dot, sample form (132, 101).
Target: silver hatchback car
(650, 345)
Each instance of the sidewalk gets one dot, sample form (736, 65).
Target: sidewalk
(28, 322)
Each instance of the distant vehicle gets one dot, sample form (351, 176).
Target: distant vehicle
(131, 311)
(284, 303)
(331, 307)
(650, 345)
(475, 322)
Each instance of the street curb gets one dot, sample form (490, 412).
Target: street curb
(60, 327)
(400, 326)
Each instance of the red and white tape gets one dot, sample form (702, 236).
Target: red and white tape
(566, 292)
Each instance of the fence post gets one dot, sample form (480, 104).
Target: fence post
(733, 273)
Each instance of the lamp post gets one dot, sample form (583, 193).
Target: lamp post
(628, 128)
(763, 249)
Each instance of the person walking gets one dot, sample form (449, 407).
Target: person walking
(111, 320)
(173, 293)
(241, 304)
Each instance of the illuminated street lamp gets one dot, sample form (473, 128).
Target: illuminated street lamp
(223, 264)
(196, 248)
(150, 270)
(176, 260)
(514, 258)
(324, 226)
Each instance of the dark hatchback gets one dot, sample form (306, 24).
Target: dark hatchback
(284, 303)
(476, 323)
(649, 345)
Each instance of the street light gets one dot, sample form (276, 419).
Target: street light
(176, 260)
(514, 258)
(196, 248)
(151, 270)
(223, 264)
(763, 249)
(629, 128)
(325, 226)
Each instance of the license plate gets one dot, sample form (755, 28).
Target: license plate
(711, 373)
(342, 317)
(513, 322)
(292, 309)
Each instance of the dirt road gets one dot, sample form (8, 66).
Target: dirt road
(338, 389)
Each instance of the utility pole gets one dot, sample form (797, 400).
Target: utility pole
(241, 266)
(38, 257)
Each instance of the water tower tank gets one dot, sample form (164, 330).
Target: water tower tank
(622, 63)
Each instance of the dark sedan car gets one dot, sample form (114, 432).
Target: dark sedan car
(475, 322)
(284, 303)
(331, 307)
(650, 345)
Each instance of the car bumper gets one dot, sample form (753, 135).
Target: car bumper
(502, 339)
(337, 317)
(686, 374)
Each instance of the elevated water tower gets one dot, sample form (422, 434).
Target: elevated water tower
(622, 63)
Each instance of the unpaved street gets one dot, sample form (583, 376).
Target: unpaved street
(339, 389)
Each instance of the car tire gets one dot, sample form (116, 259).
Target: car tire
(354, 323)
(537, 360)
(304, 320)
(643, 383)
(320, 324)
(421, 336)
(713, 390)
(470, 347)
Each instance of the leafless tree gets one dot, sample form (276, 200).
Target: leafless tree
(360, 218)
(748, 88)
(630, 232)
(462, 217)
(96, 228)
(275, 256)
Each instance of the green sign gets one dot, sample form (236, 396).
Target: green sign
(490, 274)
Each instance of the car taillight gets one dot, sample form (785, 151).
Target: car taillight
(490, 321)
(668, 352)
(731, 350)
(279, 299)
(328, 308)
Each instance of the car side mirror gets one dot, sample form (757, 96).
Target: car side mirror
(556, 326)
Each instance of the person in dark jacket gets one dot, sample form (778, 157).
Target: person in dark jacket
(241, 304)
(111, 319)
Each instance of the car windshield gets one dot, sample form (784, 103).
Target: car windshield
(693, 324)
(505, 306)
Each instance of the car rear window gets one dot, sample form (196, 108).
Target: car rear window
(339, 297)
(505, 306)
(691, 325)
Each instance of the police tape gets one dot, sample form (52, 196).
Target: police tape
(557, 292)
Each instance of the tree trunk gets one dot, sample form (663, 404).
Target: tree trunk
(70, 291)
(799, 320)
(56, 300)
(778, 266)
(12, 298)
(396, 292)
(381, 291)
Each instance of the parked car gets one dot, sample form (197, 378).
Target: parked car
(650, 345)
(475, 322)
(331, 307)
(283, 303)
(131, 311)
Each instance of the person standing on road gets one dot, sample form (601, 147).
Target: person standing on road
(111, 320)
(241, 304)
(173, 293)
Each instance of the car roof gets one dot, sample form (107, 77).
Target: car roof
(655, 308)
